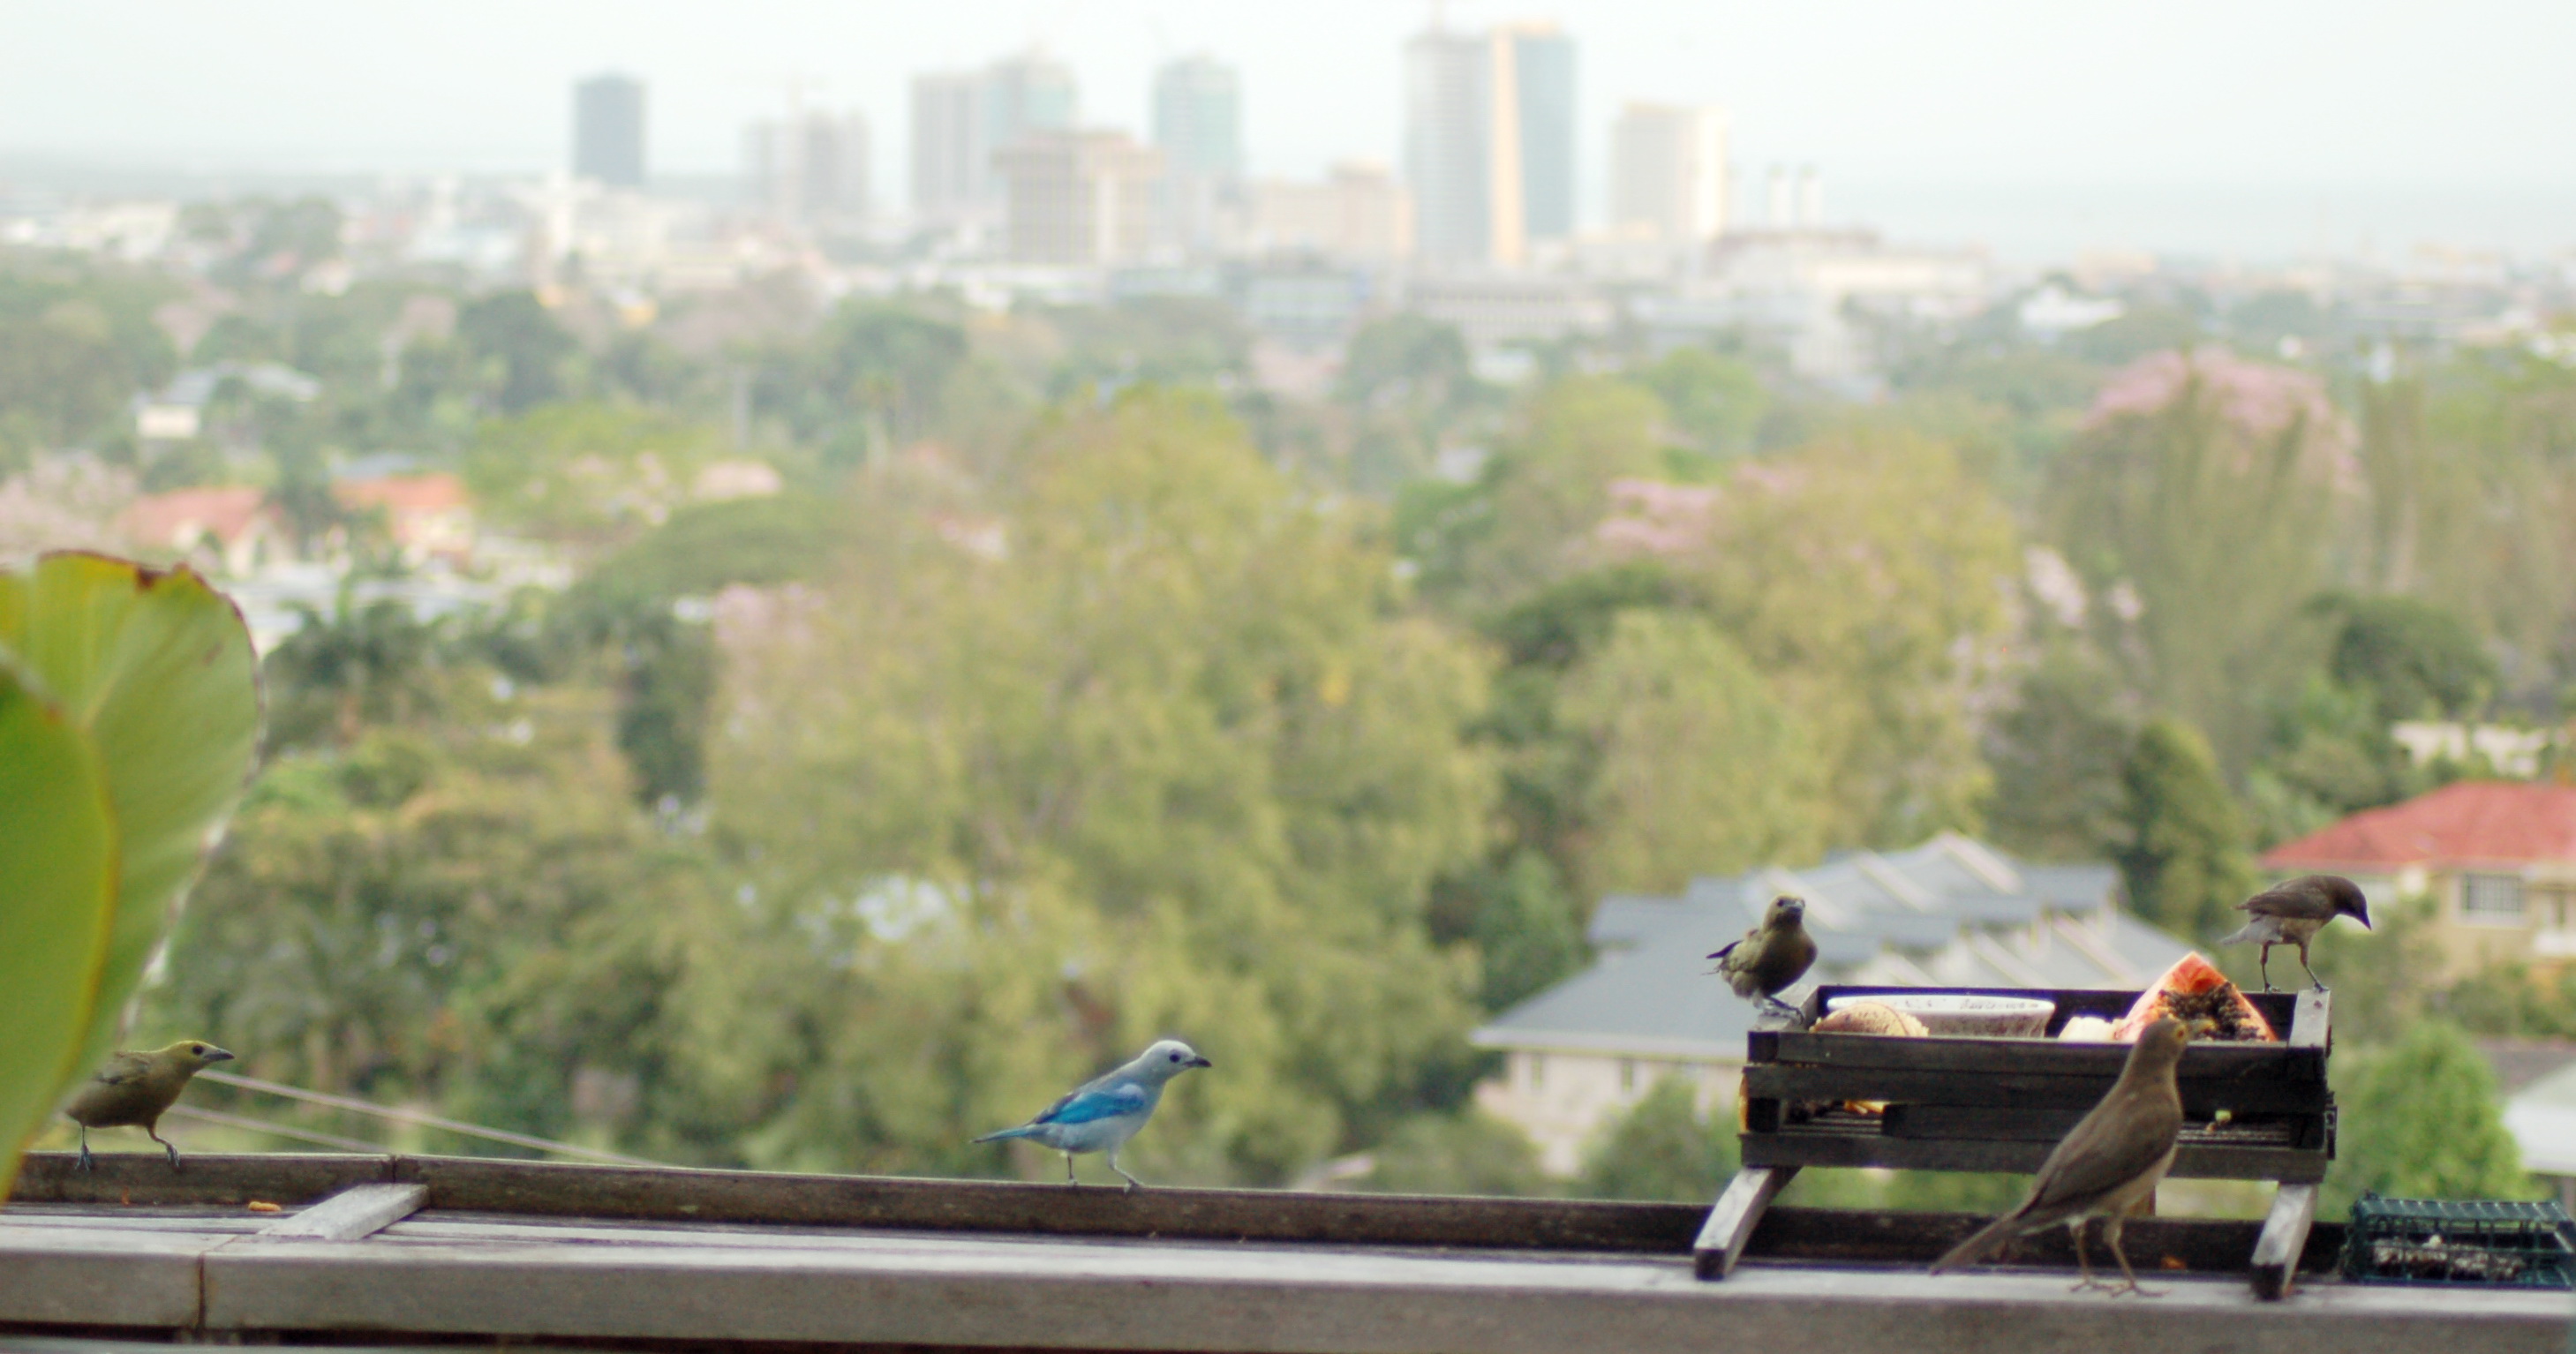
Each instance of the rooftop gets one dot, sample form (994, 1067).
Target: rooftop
(2471, 822)
(1952, 912)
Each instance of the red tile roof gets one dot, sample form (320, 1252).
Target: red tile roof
(404, 493)
(2469, 822)
(174, 521)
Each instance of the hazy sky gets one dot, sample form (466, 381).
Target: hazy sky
(2340, 114)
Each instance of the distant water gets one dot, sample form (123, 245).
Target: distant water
(2249, 224)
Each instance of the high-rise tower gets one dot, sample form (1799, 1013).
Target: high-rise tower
(1489, 142)
(960, 121)
(1198, 126)
(1668, 171)
(608, 130)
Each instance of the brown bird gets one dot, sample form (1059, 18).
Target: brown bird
(135, 1089)
(2112, 1160)
(2293, 913)
(1771, 956)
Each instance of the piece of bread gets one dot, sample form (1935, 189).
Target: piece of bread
(1871, 1017)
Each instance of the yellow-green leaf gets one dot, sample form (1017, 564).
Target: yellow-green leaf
(156, 669)
(57, 900)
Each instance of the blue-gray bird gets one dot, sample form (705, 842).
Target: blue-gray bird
(1102, 1114)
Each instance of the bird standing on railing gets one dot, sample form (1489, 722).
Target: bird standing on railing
(2293, 913)
(1771, 956)
(1103, 1113)
(135, 1089)
(2114, 1159)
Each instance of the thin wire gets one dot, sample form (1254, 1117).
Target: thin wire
(416, 1117)
(279, 1130)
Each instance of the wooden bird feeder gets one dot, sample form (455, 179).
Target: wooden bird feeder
(2251, 1110)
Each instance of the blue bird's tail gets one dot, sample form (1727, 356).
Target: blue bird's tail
(1022, 1131)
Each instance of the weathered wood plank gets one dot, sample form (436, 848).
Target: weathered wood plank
(1040, 1294)
(272, 1177)
(1732, 1219)
(101, 1276)
(2313, 1024)
(2284, 1239)
(540, 1188)
(1999, 1057)
(2201, 1097)
(1791, 1147)
(358, 1211)
(2161, 1244)
(2052, 1124)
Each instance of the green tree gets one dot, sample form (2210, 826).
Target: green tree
(2415, 659)
(1663, 1148)
(1715, 402)
(1141, 747)
(1466, 1152)
(1544, 491)
(1864, 577)
(2421, 1119)
(1697, 767)
(629, 607)
(2059, 752)
(1524, 925)
(525, 353)
(2206, 487)
(2184, 861)
(586, 474)
(359, 664)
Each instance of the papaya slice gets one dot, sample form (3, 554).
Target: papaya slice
(2195, 992)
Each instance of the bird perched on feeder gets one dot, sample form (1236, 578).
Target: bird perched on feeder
(2293, 913)
(1102, 1114)
(1771, 956)
(2112, 1160)
(135, 1089)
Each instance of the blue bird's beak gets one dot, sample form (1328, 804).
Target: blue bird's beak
(1198, 1062)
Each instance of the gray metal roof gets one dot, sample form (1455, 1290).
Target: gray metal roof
(1952, 911)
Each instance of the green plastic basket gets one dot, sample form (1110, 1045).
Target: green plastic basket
(2460, 1241)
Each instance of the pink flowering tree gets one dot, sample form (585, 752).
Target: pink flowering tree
(2216, 492)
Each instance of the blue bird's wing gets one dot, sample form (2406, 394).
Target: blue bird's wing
(1094, 1102)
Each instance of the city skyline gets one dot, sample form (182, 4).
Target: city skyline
(2302, 121)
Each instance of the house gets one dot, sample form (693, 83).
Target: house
(2495, 860)
(1951, 912)
(176, 412)
(229, 528)
(428, 516)
(2542, 1118)
(2537, 1078)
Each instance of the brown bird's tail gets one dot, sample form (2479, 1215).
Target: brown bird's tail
(1988, 1239)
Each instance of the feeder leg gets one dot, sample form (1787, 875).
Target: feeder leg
(1731, 1222)
(2285, 1235)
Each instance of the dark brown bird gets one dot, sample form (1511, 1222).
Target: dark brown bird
(2112, 1160)
(135, 1089)
(1771, 956)
(2292, 913)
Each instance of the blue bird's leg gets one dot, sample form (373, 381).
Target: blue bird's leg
(1068, 1171)
(1133, 1184)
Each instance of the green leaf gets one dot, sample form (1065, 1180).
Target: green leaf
(57, 904)
(156, 668)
